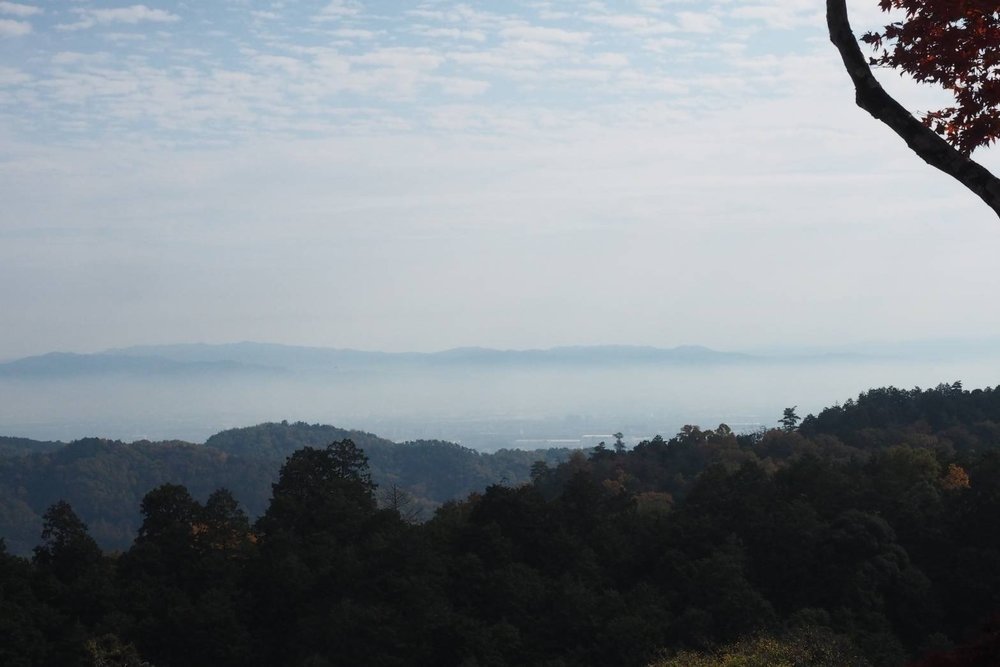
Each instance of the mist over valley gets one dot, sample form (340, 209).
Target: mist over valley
(482, 398)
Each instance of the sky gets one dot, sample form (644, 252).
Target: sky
(426, 175)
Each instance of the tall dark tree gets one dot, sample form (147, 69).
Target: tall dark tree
(789, 419)
(318, 541)
(74, 579)
(22, 615)
(222, 524)
(69, 556)
(67, 551)
(319, 489)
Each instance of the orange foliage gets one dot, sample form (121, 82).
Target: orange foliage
(956, 478)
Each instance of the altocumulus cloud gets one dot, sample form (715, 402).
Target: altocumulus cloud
(15, 9)
(9, 28)
(501, 156)
(132, 15)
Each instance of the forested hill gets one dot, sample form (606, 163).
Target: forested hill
(104, 480)
(24, 446)
(867, 536)
(278, 440)
(946, 408)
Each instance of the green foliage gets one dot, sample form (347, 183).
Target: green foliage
(869, 541)
(318, 489)
(105, 480)
(789, 419)
(276, 441)
(17, 447)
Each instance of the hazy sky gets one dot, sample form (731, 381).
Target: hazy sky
(423, 175)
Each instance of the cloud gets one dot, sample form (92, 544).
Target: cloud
(781, 14)
(642, 25)
(666, 44)
(354, 33)
(16, 9)
(465, 16)
(68, 58)
(401, 58)
(9, 28)
(133, 14)
(698, 22)
(261, 15)
(395, 74)
(10, 76)
(541, 34)
(130, 15)
(660, 6)
(462, 139)
(613, 60)
(338, 9)
(449, 33)
(463, 87)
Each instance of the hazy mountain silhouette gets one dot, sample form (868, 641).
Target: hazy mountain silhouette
(65, 364)
(249, 357)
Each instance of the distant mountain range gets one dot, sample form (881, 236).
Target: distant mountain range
(65, 364)
(266, 358)
(250, 358)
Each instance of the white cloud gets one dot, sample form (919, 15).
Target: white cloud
(68, 58)
(123, 37)
(17, 9)
(10, 76)
(461, 125)
(700, 22)
(449, 33)
(666, 44)
(354, 33)
(465, 16)
(337, 10)
(401, 57)
(542, 34)
(9, 28)
(660, 6)
(637, 23)
(613, 60)
(550, 15)
(129, 15)
(463, 87)
(285, 63)
(781, 14)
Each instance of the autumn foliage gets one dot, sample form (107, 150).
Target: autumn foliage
(956, 478)
(954, 44)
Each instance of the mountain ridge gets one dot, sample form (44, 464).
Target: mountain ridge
(251, 357)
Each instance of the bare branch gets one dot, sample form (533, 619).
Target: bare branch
(923, 141)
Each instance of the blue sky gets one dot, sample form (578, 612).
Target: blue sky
(423, 175)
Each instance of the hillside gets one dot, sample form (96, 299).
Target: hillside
(866, 536)
(23, 446)
(104, 480)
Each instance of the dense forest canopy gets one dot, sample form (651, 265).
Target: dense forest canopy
(865, 536)
(105, 480)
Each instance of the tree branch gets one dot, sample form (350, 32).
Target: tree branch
(923, 141)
